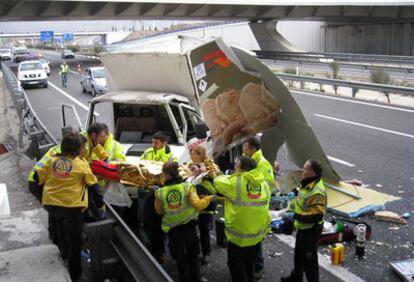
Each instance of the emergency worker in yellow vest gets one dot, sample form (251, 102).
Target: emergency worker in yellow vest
(251, 148)
(246, 215)
(159, 151)
(66, 179)
(179, 205)
(101, 144)
(63, 72)
(310, 208)
(205, 186)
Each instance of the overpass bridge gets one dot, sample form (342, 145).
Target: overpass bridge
(251, 10)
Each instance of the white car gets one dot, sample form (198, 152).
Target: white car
(5, 54)
(93, 80)
(46, 65)
(32, 73)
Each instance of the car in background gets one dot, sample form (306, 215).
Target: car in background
(5, 54)
(93, 80)
(46, 65)
(68, 54)
(20, 54)
(32, 73)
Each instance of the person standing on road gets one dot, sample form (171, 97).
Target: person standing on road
(251, 148)
(246, 215)
(200, 164)
(63, 72)
(67, 178)
(147, 216)
(310, 208)
(179, 205)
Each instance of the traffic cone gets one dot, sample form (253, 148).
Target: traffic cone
(79, 69)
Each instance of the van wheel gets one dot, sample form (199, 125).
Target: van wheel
(46, 85)
(93, 91)
(83, 88)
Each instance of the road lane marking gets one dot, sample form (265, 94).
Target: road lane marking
(340, 161)
(336, 270)
(366, 126)
(353, 101)
(74, 72)
(71, 98)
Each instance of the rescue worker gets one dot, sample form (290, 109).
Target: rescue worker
(179, 205)
(246, 215)
(147, 216)
(159, 151)
(205, 187)
(67, 179)
(63, 72)
(101, 144)
(310, 208)
(251, 148)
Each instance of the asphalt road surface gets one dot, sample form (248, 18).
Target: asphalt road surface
(364, 140)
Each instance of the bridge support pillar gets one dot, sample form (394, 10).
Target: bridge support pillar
(269, 39)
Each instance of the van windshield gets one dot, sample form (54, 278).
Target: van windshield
(30, 66)
(20, 51)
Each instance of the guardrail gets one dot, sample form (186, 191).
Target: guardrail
(355, 85)
(117, 253)
(40, 138)
(342, 56)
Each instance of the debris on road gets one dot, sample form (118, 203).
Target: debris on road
(389, 216)
(401, 192)
(406, 215)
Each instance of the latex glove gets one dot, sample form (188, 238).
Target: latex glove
(228, 172)
(102, 212)
(291, 195)
(290, 216)
(155, 188)
(213, 198)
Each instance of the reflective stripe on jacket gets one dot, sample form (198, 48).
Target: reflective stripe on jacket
(176, 206)
(313, 194)
(246, 210)
(52, 152)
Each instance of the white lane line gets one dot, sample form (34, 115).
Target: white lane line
(366, 126)
(336, 270)
(69, 97)
(354, 101)
(339, 161)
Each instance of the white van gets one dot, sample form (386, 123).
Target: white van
(32, 73)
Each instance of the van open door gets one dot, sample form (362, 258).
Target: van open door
(70, 121)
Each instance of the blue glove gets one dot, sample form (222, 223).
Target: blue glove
(290, 216)
(291, 195)
(228, 172)
(102, 212)
(213, 198)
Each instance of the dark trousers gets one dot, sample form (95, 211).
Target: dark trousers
(259, 264)
(205, 223)
(241, 262)
(152, 224)
(306, 254)
(68, 222)
(184, 248)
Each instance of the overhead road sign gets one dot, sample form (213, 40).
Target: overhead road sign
(47, 36)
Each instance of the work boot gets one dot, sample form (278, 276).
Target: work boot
(205, 260)
(259, 274)
(291, 278)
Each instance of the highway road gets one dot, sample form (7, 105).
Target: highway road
(364, 140)
(348, 70)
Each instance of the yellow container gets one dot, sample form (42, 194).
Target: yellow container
(338, 254)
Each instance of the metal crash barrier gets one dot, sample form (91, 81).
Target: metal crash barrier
(117, 253)
(40, 138)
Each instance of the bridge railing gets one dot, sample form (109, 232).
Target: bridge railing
(30, 125)
(363, 60)
(354, 85)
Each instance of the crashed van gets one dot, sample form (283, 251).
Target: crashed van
(201, 92)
